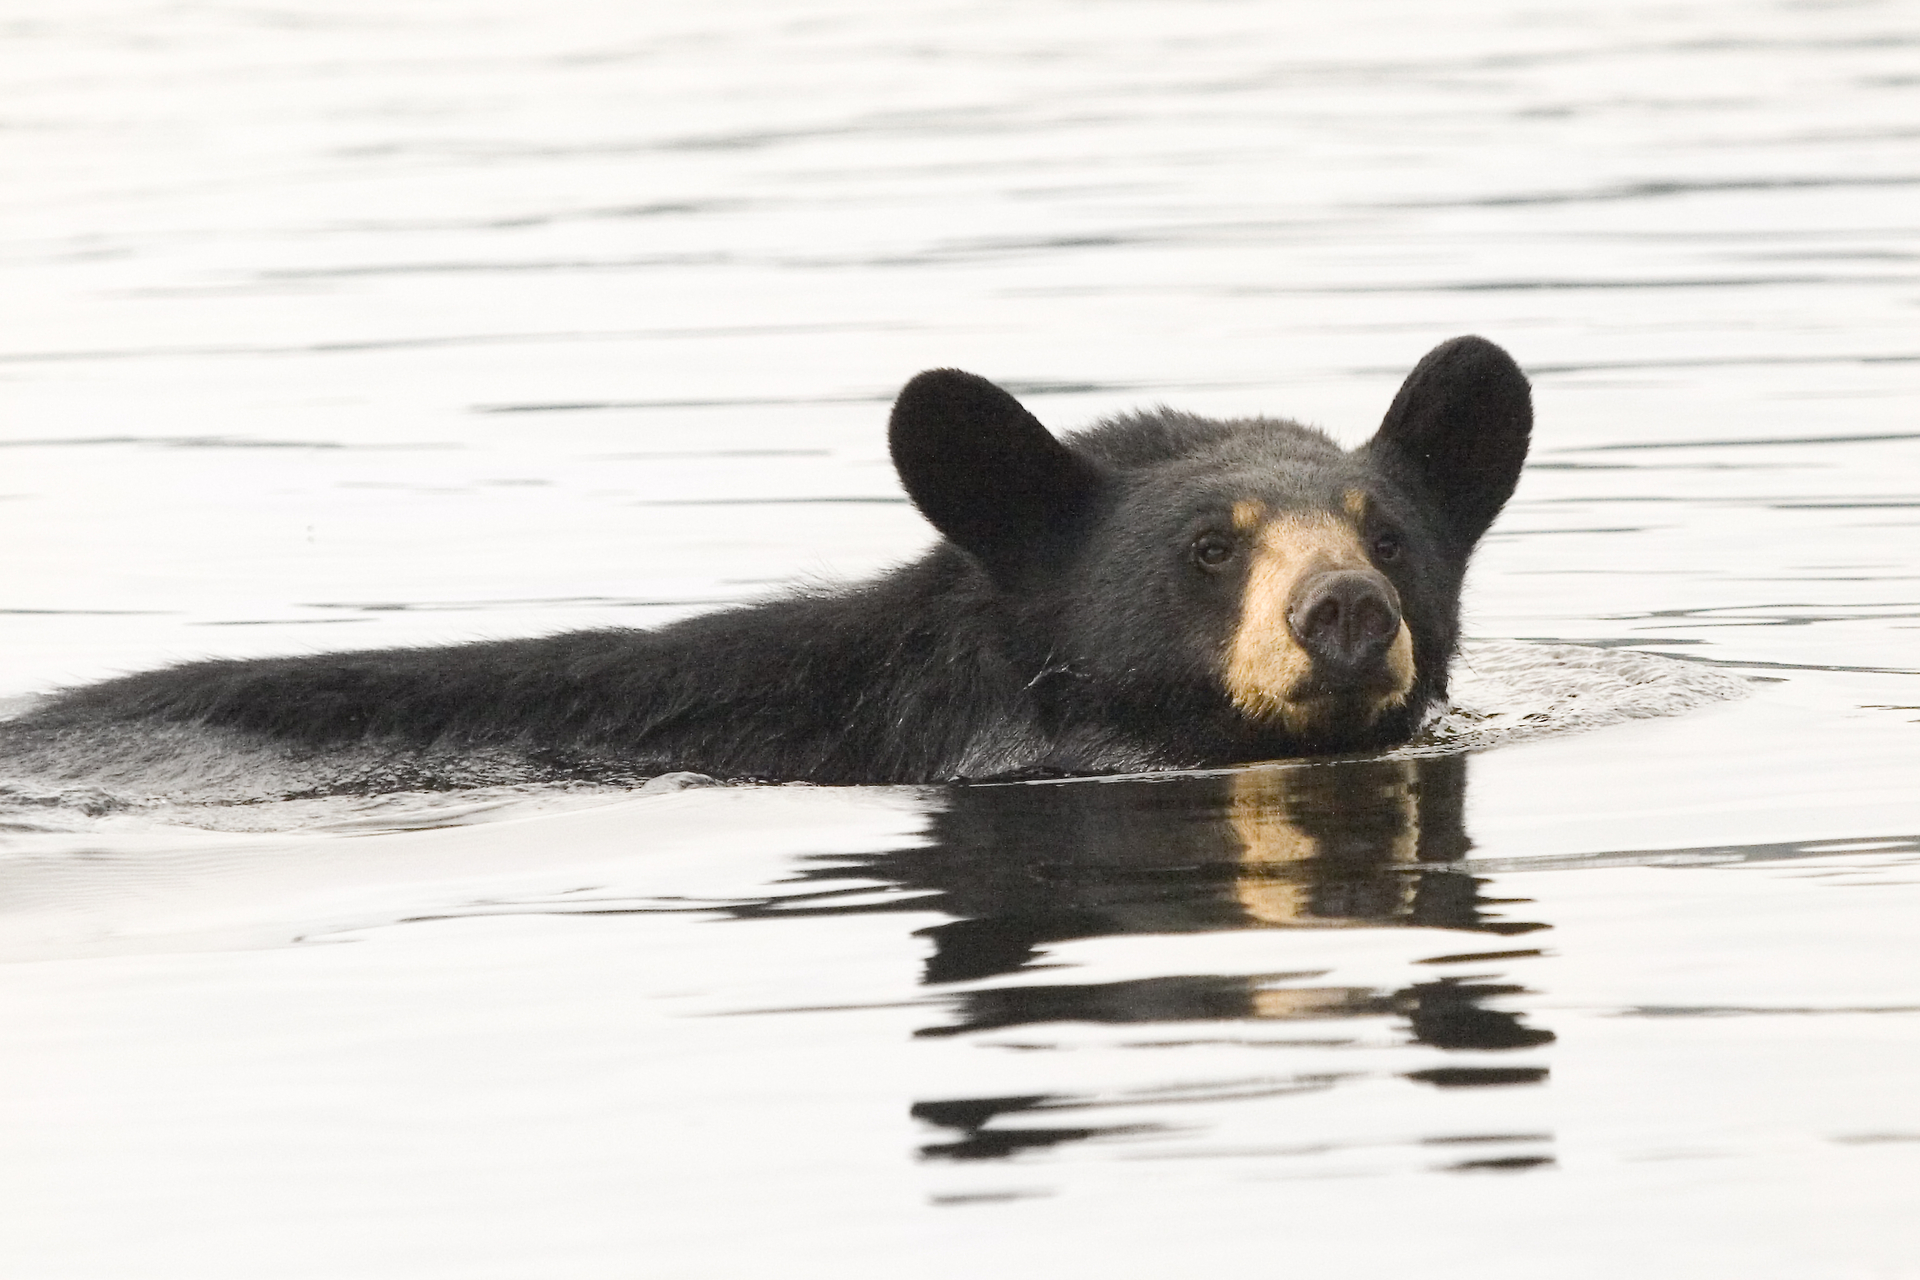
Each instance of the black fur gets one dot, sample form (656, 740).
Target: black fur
(1060, 627)
(1456, 434)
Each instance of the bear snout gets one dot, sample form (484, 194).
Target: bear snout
(1321, 646)
(1345, 619)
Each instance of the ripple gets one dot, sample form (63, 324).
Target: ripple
(1510, 691)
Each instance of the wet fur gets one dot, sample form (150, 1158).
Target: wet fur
(1056, 629)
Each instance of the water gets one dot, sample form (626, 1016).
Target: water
(341, 326)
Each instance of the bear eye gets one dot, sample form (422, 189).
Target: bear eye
(1386, 546)
(1211, 550)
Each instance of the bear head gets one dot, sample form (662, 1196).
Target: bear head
(1225, 589)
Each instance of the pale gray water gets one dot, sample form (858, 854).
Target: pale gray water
(352, 324)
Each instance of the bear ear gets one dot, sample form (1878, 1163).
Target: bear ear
(1458, 430)
(984, 471)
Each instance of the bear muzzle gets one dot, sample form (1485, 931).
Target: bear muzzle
(1346, 620)
(1321, 647)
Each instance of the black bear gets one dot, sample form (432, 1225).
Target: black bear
(1159, 591)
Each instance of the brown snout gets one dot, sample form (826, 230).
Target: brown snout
(1345, 619)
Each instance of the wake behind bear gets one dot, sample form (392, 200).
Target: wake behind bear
(1159, 591)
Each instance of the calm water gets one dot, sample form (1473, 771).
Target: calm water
(343, 325)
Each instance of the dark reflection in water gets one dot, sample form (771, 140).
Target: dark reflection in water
(1367, 844)
(1445, 1014)
(1371, 843)
(970, 1116)
(1477, 1077)
(1327, 845)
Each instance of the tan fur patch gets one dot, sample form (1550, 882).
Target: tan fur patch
(1354, 503)
(1400, 667)
(1265, 665)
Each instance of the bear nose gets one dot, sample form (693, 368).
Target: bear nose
(1345, 619)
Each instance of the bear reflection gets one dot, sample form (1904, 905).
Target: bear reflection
(1328, 845)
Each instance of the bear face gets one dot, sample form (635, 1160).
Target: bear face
(1255, 564)
(1229, 589)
